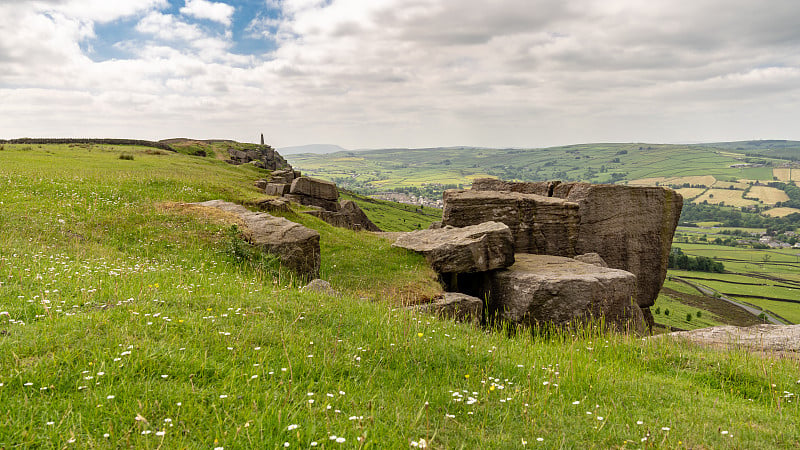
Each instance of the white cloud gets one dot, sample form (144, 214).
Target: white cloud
(98, 10)
(410, 72)
(167, 27)
(203, 9)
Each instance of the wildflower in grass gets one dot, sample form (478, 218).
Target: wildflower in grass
(286, 444)
(293, 426)
(664, 428)
(314, 443)
(110, 397)
(639, 422)
(160, 433)
(540, 439)
(340, 440)
(106, 435)
(576, 402)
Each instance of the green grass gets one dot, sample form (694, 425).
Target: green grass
(126, 322)
(393, 216)
(678, 312)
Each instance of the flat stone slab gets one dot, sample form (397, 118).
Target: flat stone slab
(784, 339)
(312, 187)
(540, 225)
(295, 245)
(543, 289)
(476, 248)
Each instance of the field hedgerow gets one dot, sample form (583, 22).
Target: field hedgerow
(127, 323)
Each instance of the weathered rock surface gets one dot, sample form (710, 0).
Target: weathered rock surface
(273, 205)
(278, 189)
(312, 187)
(285, 176)
(540, 225)
(262, 156)
(260, 184)
(328, 205)
(544, 289)
(631, 228)
(295, 245)
(783, 339)
(320, 287)
(349, 215)
(591, 258)
(476, 248)
(453, 305)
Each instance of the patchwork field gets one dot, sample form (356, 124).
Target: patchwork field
(730, 184)
(768, 195)
(702, 180)
(369, 171)
(781, 212)
(726, 196)
(786, 173)
(690, 193)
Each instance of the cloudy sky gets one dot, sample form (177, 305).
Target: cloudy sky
(402, 73)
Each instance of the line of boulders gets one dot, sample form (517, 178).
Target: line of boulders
(554, 253)
(322, 197)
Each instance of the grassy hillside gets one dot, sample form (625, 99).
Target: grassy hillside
(393, 216)
(126, 321)
(596, 163)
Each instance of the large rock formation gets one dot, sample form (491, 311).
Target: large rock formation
(295, 245)
(476, 248)
(348, 215)
(262, 156)
(540, 225)
(321, 195)
(543, 289)
(314, 192)
(631, 228)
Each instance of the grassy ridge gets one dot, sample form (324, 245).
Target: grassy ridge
(126, 322)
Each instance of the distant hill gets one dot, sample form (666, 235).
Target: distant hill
(311, 148)
(768, 148)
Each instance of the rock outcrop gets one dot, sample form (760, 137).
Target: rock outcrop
(543, 289)
(262, 156)
(540, 225)
(349, 215)
(314, 192)
(320, 287)
(295, 245)
(630, 228)
(453, 305)
(781, 339)
(321, 195)
(476, 248)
